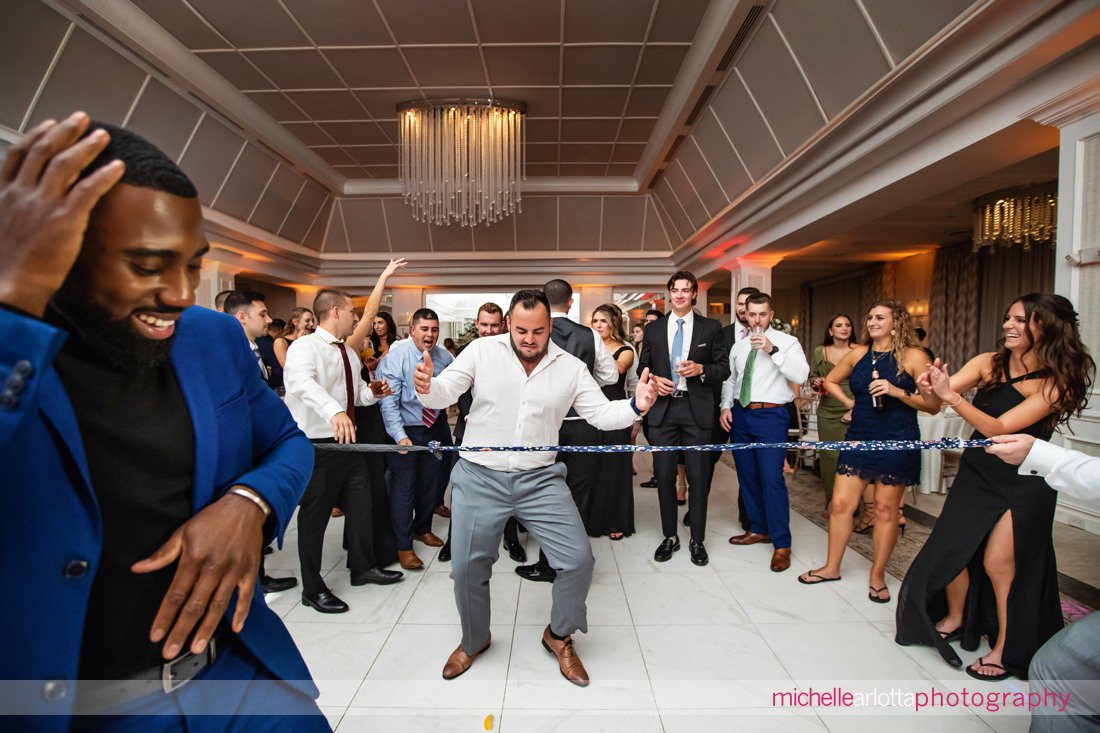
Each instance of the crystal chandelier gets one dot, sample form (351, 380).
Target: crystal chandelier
(1023, 216)
(462, 159)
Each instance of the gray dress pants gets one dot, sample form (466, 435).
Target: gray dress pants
(1064, 679)
(482, 500)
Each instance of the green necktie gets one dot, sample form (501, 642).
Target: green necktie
(746, 381)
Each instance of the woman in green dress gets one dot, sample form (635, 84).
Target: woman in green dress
(832, 414)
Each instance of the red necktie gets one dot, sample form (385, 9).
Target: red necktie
(427, 416)
(348, 385)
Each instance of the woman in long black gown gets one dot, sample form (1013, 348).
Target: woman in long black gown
(988, 568)
(611, 508)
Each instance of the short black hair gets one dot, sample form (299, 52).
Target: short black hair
(757, 298)
(653, 312)
(750, 290)
(423, 314)
(238, 300)
(557, 292)
(529, 300)
(147, 166)
(277, 324)
(920, 333)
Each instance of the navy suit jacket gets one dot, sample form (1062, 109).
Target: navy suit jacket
(50, 521)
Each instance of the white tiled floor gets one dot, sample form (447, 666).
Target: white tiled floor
(671, 646)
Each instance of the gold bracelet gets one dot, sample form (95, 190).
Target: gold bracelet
(956, 403)
(252, 498)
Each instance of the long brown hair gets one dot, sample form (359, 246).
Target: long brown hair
(904, 336)
(1063, 357)
(292, 322)
(615, 318)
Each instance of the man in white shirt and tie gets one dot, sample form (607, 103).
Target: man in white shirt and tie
(761, 370)
(323, 387)
(523, 385)
(1068, 664)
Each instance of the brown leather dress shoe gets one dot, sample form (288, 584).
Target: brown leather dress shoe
(429, 539)
(460, 661)
(749, 538)
(568, 661)
(443, 511)
(781, 559)
(409, 560)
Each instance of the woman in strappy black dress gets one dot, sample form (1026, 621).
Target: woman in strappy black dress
(988, 568)
(611, 508)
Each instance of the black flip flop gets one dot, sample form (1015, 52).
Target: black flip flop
(950, 636)
(1005, 674)
(872, 595)
(820, 579)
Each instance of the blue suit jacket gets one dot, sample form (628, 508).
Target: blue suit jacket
(50, 519)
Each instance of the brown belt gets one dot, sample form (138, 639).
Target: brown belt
(761, 405)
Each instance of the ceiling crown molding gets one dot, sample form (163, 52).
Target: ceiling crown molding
(1076, 104)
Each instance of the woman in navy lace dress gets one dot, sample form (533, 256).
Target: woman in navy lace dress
(882, 375)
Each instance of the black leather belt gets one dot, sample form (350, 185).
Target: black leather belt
(761, 405)
(98, 695)
(679, 393)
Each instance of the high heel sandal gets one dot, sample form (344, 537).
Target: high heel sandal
(866, 519)
(902, 522)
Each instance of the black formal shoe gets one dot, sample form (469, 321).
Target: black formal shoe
(324, 602)
(378, 576)
(537, 573)
(274, 585)
(687, 519)
(668, 546)
(269, 550)
(444, 554)
(515, 550)
(698, 553)
(651, 484)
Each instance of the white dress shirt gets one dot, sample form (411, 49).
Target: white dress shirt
(314, 380)
(259, 359)
(511, 407)
(1071, 472)
(740, 331)
(605, 370)
(689, 324)
(771, 375)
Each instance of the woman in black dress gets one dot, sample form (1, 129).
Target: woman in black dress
(988, 568)
(882, 377)
(611, 509)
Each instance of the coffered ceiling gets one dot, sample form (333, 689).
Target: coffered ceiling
(594, 75)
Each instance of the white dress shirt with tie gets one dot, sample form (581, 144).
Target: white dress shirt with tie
(316, 387)
(511, 407)
(771, 374)
(685, 346)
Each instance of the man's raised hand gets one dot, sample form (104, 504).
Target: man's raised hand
(646, 393)
(422, 377)
(43, 215)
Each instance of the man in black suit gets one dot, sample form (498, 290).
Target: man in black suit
(581, 468)
(688, 359)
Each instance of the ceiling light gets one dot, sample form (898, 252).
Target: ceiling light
(462, 159)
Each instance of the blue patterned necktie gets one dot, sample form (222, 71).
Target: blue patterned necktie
(677, 344)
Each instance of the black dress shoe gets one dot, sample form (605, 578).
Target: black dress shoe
(515, 550)
(274, 585)
(378, 576)
(537, 573)
(651, 484)
(698, 553)
(444, 554)
(324, 602)
(687, 519)
(668, 546)
(269, 550)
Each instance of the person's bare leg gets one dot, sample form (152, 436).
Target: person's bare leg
(847, 492)
(956, 599)
(1000, 566)
(887, 502)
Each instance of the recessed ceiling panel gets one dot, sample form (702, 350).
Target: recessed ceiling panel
(523, 65)
(585, 152)
(537, 225)
(660, 64)
(406, 233)
(305, 69)
(212, 151)
(746, 128)
(778, 87)
(373, 154)
(340, 22)
(623, 218)
(370, 67)
(453, 238)
(636, 130)
(236, 70)
(337, 238)
(365, 224)
(315, 238)
(671, 208)
(720, 155)
(440, 66)
(654, 237)
(277, 199)
(677, 20)
(541, 101)
(382, 103)
(594, 65)
(324, 106)
(615, 21)
(253, 24)
(906, 26)
(30, 35)
(429, 21)
(701, 177)
(305, 210)
(518, 21)
(834, 47)
(628, 152)
(165, 118)
(92, 77)
(278, 106)
(686, 195)
(647, 101)
(589, 130)
(579, 223)
(181, 22)
(593, 101)
(354, 133)
(497, 237)
(246, 183)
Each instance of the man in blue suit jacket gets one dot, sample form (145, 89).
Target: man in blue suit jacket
(145, 463)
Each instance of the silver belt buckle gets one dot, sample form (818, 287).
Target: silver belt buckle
(678, 393)
(170, 685)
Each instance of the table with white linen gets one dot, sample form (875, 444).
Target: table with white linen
(945, 424)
